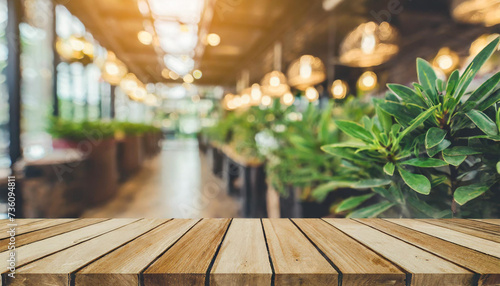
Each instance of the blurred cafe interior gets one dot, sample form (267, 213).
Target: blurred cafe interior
(250, 108)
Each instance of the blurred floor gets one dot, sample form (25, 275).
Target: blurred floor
(175, 184)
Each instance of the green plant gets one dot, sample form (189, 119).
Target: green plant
(299, 160)
(77, 131)
(428, 150)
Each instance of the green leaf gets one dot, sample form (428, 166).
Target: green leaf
(427, 78)
(407, 94)
(485, 90)
(461, 151)
(454, 160)
(343, 152)
(400, 112)
(440, 147)
(466, 193)
(418, 183)
(384, 118)
(370, 183)
(354, 130)
(352, 202)
(483, 122)
(415, 123)
(452, 83)
(389, 169)
(425, 162)
(471, 70)
(396, 194)
(434, 136)
(492, 99)
(498, 167)
(371, 211)
(321, 191)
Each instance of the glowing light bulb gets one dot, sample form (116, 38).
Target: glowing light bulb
(266, 100)
(288, 98)
(274, 81)
(145, 37)
(339, 89)
(312, 94)
(112, 68)
(367, 81)
(213, 39)
(197, 74)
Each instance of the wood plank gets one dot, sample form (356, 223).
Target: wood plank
(464, 229)
(59, 266)
(358, 264)
(36, 226)
(7, 224)
(472, 242)
(124, 265)
(479, 225)
(490, 221)
(425, 268)
(295, 259)
(243, 258)
(39, 249)
(187, 261)
(37, 235)
(487, 266)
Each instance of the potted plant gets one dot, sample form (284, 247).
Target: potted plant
(130, 147)
(431, 151)
(95, 140)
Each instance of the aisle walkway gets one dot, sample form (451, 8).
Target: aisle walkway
(176, 184)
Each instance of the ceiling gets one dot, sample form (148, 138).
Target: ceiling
(250, 28)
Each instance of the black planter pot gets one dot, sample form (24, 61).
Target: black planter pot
(293, 207)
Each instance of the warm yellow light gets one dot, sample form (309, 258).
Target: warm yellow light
(446, 60)
(145, 37)
(197, 74)
(367, 81)
(173, 75)
(112, 68)
(76, 44)
(275, 81)
(88, 49)
(188, 78)
(213, 39)
(139, 94)
(165, 73)
(339, 89)
(288, 99)
(266, 100)
(256, 93)
(245, 99)
(312, 94)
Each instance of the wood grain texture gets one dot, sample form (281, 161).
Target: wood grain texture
(472, 242)
(187, 261)
(124, 265)
(464, 229)
(487, 266)
(243, 258)
(353, 259)
(37, 235)
(490, 221)
(479, 225)
(67, 261)
(295, 259)
(36, 225)
(4, 223)
(39, 249)
(426, 268)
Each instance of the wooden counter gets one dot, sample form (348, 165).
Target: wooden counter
(254, 252)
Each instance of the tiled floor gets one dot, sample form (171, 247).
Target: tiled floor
(177, 183)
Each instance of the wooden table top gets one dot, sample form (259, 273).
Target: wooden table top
(254, 252)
